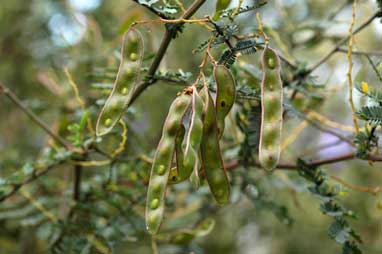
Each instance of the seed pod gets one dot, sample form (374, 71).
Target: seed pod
(162, 163)
(187, 152)
(225, 94)
(271, 110)
(211, 158)
(124, 85)
(185, 236)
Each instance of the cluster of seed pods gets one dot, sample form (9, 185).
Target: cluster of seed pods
(194, 126)
(187, 147)
(271, 110)
(127, 77)
(191, 134)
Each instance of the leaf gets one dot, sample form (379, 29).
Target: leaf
(228, 13)
(339, 230)
(148, 2)
(220, 6)
(372, 114)
(332, 209)
(310, 173)
(228, 58)
(365, 142)
(351, 248)
(246, 47)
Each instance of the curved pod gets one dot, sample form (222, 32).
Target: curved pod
(127, 77)
(161, 166)
(271, 110)
(187, 152)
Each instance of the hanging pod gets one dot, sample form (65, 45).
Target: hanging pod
(225, 95)
(161, 166)
(271, 110)
(212, 162)
(187, 147)
(128, 76)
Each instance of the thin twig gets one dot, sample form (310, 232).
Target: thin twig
(337, 11)
(358, 52)
(77, 182)
(349, 73)
(13, 97)
(291, 166)
(375, 69)
(341, 42)
(372, 191)
(16, 187)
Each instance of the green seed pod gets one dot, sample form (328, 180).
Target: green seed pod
(205, 227)
(182, 237)
(272, 110)
(225, 94)
(187, 151)
(162, 163)
(211, 158)
(124, 85)
(185, 236)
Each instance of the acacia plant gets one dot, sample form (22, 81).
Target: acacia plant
(188, 115)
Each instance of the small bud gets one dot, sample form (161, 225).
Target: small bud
(364, 87)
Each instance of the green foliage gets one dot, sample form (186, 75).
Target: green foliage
(245, 47)
(340, 229)
(65, 190)
(365, 142)
(221, 5)
(228, 13)
(77, 130)
(371, 114)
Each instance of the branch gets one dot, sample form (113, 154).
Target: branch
(170, 33)
(13, 97)
(344, 40)
(289, 166)
(77, 182)
(337, 11)
(357, 52)
(16, 187)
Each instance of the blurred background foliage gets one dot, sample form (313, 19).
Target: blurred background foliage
(269, 213)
